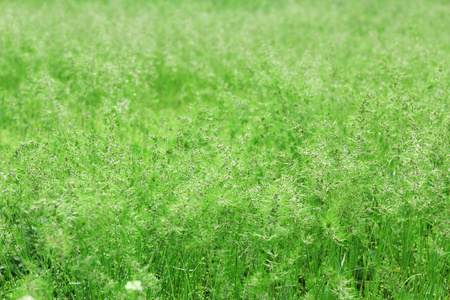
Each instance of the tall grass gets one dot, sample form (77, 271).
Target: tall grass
(224, 149)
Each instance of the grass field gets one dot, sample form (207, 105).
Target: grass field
(226, 149)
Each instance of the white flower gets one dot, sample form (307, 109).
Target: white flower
(135, 285)
(27, 297)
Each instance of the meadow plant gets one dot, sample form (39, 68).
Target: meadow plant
(224, 149)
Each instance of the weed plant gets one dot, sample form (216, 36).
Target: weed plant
(224, 149)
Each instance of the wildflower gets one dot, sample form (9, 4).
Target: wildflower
(135, 285)
(27, 297)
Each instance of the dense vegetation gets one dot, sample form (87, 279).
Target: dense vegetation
(229, 149)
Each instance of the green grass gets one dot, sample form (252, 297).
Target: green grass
(224, 149)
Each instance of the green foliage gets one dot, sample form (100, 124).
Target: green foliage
(224, 149)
